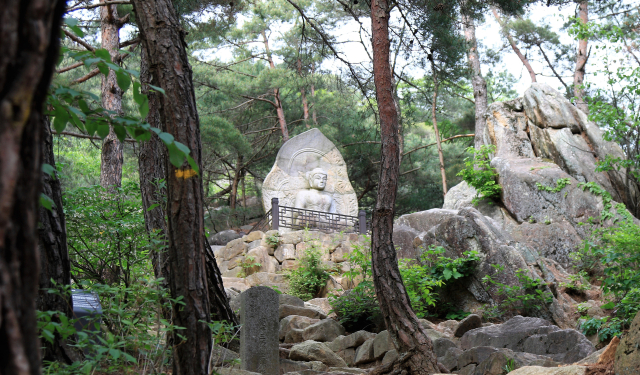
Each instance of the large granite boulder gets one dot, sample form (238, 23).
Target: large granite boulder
(627, 359)
(531, 335)
(466, 230)
(540, 139)
(316, 351)
(304, 153)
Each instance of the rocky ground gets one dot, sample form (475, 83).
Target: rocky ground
(313, 342)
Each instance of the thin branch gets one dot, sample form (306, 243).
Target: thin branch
(79, 41)
(362, 143)
(262, 130)
(130, 42)
(70, 67)
(86, 136)
(409, 171)
(444, 140)
(111, 2)
(260, 99)
(552, 68)
(90, 75)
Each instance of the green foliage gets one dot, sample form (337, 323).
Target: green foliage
(419, 284)
(577, 283)
(526, 297)
(560, 184)
(509, 366)
(273, 240)
(248, 264)
(433, 271)
(606, 328)
(312, 275)
(133, 330)
(357, 308)
(479, 173)
(106, 234)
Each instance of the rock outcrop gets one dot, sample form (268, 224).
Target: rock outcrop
(627, 358)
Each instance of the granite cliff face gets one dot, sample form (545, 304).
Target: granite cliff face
(540, 139)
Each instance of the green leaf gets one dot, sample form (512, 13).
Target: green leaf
(46, 202)
(182, 147)
(48, 169)
(447, 274)
(91, 126)
(61, 118)
(121, 133)
(124, 80)
(153, 206)
(176, 157)
(103, 129)
(193, 164)
(103, 54)
(167, 139)
(103, 68)
(158, 89)
(609, 306)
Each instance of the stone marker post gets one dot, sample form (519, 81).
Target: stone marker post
(259, 345)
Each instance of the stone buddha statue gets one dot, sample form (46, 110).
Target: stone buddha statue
(315, 198)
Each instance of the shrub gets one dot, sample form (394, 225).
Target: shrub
(525, 298)
(357, 308)
(311, 276)
(479, 173)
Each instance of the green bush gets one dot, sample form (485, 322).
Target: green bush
(358, 308)
(311, 276)
(479, 173)
(424, 280)
(525, 298)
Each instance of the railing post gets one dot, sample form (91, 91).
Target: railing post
(362, 221)
(275, 214)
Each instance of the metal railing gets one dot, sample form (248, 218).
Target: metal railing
(300, 218)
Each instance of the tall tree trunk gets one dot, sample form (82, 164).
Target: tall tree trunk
(276, 93)
(55, 268)
(515, 48)
(478, 82)
(111, 160)
(314, 116)
(303, 95)
(414, 346)
(30, 39)
(581, 62)
(163, 37)
(434, 120)
(153, 174)
(233, 197)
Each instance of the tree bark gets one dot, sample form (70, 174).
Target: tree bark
(434, 120)
(55, 268)
(153, 174)
(30, 40)
(515, 48)
(163, 37)
(314, 116)
(111, 158)
(478, 82)
(303, 95)
(415, 348)
(233, 197)
(276, 93)
(581, 62)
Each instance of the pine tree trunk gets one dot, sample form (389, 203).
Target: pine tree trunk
(111, 159)
(478, 82)
(28, 52)
(163, 37)
(581, 62)
(153, 174)
(434, 121)
(303, 96)
(276, 93)
(515, 48)
(413, 345)
(54, 256)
